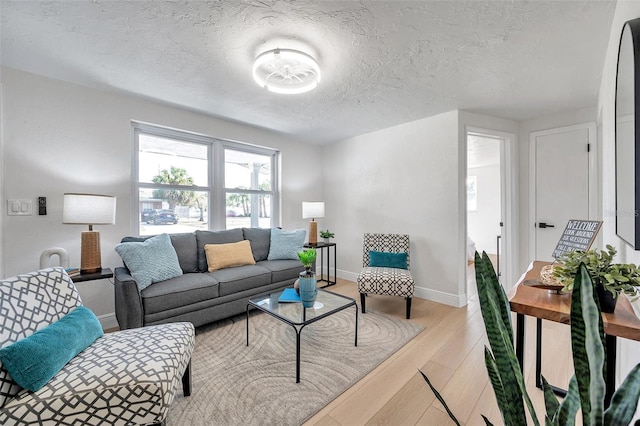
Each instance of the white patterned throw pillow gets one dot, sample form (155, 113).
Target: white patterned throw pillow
(150, 261)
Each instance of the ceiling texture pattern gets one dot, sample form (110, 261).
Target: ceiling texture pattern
(383, 62)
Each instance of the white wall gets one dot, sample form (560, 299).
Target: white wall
(628, 351)
(404, 179)
(484, 223)
(60, 137)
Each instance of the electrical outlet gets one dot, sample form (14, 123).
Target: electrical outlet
(19, 207)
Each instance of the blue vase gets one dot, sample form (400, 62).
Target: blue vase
(308, 288)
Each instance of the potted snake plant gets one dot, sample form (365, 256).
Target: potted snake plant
(586, 390)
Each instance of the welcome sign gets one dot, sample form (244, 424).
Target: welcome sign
(578, 235)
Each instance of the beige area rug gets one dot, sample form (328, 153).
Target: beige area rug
(238, 385)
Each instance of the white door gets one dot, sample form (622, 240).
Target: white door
(563, 169)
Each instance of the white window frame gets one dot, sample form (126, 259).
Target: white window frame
(216, 171)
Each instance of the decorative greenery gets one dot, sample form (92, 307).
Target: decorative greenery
(307, 258)
(326, 234)
(614, 277)
(586, 390)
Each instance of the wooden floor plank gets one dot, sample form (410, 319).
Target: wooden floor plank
(451, 352)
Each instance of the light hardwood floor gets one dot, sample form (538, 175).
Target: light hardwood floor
(450, 351)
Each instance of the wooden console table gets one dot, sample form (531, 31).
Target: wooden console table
(548, 305)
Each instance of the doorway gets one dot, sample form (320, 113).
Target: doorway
(490, 217)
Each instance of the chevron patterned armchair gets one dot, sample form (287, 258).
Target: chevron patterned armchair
(386, 268)
(122, 378)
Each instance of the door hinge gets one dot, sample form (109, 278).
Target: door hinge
(588, 147)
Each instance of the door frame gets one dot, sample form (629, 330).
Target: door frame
(508, 199)
(592, 180)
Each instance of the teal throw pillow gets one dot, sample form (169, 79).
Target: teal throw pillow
(286, 244)
(383, 259)
(150, 261)
(34, 360)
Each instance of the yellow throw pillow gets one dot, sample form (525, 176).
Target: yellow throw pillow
(221, 256)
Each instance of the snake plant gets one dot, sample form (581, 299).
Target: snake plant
(586, 388)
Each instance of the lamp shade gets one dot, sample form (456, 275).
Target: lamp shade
(89, 209)
(312, 209)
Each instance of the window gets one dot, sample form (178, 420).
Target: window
(187, 182)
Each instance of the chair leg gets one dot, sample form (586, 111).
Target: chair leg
(186, 380)
(362, 299)
(408, 307)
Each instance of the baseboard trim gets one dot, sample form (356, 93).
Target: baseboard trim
(454, 300)
(457, 301)
(108, 321)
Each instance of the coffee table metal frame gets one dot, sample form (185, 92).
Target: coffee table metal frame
(297, 325)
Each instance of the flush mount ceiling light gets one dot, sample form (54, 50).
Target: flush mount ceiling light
(286, 71)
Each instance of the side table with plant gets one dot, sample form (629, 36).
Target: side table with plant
(587, 388)
(610, 279)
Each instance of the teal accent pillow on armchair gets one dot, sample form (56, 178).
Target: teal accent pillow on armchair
(383, 259)
(34, 360)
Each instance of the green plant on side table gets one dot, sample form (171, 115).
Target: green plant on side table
(327, 234)
(586, 389)
(608, 277)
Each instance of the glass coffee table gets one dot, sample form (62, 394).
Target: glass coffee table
(294, 314)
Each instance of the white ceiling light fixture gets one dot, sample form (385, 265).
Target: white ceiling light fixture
(286, 71)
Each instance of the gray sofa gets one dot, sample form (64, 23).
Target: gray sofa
(198, 296)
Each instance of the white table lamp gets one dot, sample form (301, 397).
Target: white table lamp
(312, 210)
(89, 209)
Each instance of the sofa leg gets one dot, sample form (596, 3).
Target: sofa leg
(408, 307)
(362, 299)
(186, 380)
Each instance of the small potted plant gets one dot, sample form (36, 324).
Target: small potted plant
(610, 279)
(326, 235)
(307, 282)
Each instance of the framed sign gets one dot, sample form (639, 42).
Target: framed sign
(578, 235)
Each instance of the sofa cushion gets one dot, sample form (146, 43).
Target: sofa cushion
(260, 241)
(240, 278)
(180, 291)
(286, 244)
(34, 360)
(150, 261)
(214, 237)
(220, 256)
(282, 270)
(185, 246)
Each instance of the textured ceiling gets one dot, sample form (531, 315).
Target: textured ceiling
(383, 62)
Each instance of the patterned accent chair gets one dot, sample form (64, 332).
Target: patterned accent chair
(382, 280)
(127, 377)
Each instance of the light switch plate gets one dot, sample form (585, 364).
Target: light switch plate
(22, 207)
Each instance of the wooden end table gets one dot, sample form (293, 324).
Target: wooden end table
(548, 305)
